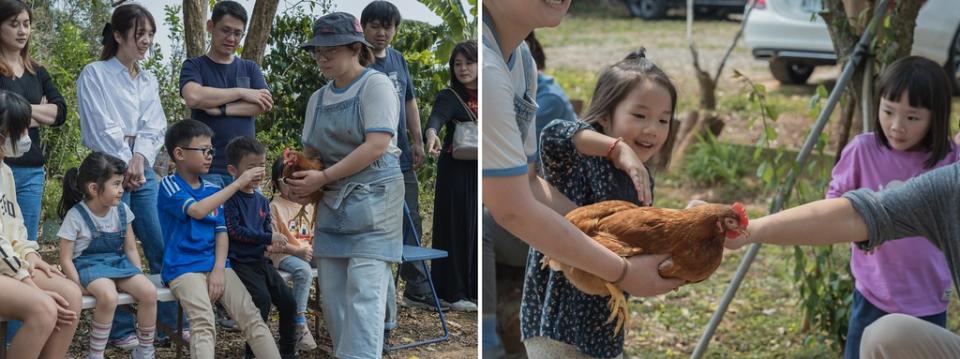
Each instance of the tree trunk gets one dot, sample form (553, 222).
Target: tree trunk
(261, 22)
(194, 29)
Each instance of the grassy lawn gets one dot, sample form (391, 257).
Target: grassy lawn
(764, 321)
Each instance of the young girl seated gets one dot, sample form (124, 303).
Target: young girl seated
(591, 161)
(31, 290)
(99, 252)
(295, 257)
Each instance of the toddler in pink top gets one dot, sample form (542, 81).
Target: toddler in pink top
(909, 275)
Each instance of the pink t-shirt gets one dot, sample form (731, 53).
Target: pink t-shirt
(908, 275)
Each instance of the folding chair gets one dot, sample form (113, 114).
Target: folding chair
(421, 255)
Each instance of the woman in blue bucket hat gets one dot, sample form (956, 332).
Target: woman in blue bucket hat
(350, 126)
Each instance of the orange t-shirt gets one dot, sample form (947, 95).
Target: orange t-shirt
(299, 233)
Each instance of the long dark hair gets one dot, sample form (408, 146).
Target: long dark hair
(15, 114)
(927, 86)
(125, 17)
(97, 168)
(469, 50)
(8, 10)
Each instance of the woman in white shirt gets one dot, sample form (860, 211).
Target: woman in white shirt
(120, 115)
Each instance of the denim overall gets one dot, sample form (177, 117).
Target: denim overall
(104, 257)
(358, 229)
(360, 215)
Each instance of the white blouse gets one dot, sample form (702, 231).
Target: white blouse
(114, 106)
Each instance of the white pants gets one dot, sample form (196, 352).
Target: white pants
(903, 336)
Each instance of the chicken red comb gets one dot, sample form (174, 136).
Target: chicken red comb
(744, 220)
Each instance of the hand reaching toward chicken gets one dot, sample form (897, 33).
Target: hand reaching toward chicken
(693, 238)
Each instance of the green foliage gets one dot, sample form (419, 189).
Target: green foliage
(293, 76)
(68, 55)
(167, 70)
(712, 162)
(821, 274)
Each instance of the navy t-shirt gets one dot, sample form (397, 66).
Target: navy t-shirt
(205, 72)
(395, 67)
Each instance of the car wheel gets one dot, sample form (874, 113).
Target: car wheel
(647, 9)
(953, 63)
(791, 73)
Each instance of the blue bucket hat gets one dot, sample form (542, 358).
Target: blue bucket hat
(336, 29)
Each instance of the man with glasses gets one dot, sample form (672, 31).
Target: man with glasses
(224, 92)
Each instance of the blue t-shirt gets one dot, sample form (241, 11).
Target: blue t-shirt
(205, 72)
(395, 67)
(189, 243)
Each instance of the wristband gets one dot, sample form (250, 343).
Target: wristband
(612, 147)
(623, 271)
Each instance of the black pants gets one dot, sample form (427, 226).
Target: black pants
(266, 286)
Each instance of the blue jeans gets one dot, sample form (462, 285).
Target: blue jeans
(146, 226)
(354, 303)
(863, 314)
(302, 277)
(29, 182)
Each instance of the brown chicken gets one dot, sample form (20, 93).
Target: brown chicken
(294, 161)
(693, 238)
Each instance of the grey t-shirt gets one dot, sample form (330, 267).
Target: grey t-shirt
(927, 205)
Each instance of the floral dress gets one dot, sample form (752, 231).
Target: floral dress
(551, 306)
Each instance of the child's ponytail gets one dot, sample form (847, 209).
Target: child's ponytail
(72, 193)
(97, 168)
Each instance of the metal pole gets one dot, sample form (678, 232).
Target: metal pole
(783, 192)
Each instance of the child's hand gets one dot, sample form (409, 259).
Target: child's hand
(215, 284)
(627, 161)
(65, 316)
(39, 265)
(739, 241)
(251, 175)
(305, 253)
(279, 240)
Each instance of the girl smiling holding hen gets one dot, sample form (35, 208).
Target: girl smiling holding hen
(633, 105)
(517, 199)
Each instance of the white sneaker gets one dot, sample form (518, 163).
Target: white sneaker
(305, 341)
(462, 305)
(143, 352)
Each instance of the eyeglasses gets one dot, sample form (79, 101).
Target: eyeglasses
(325, 52)
(206, 151)
(227, 33)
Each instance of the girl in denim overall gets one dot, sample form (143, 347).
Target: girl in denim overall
(98, 250)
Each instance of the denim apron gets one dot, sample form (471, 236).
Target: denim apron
(360, 215)
(104, 257)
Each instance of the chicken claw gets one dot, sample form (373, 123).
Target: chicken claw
(618, 308)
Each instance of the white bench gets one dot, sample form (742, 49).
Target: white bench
(163, 295)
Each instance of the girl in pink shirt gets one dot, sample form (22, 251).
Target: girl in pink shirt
(909, 275)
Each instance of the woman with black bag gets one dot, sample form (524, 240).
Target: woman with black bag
(455, 202)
